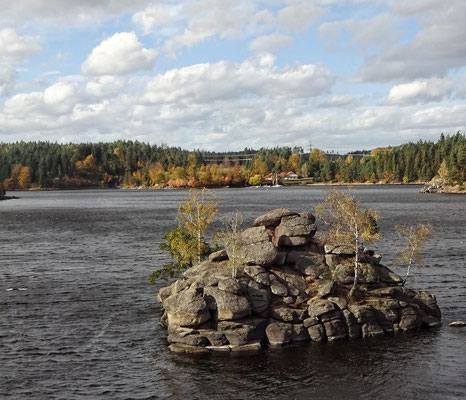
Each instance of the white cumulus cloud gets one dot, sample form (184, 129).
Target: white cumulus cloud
(420, 91)
(7, 78)
(57, 99)
(299, 16)
(156, 16)
(203, 83)
(104, 86)
(437, 47)
(65, 12)
(120, 54)
(17, 48)
(269, 43)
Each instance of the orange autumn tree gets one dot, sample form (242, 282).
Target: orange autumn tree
(24, 178)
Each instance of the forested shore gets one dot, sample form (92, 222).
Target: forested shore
(46, 165)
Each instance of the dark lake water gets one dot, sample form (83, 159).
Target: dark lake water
(86, 325)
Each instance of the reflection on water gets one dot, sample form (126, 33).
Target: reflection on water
(87, 323)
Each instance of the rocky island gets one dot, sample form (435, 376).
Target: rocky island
(438, 185)
(3, 195)
(289, 289)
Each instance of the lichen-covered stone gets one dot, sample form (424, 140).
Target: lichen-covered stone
(273, 218)
(218, 256)
(230, 285)
(300, 334)
(260, 297)
(278, 288)
(320, 307)
(335, 330)
(312, 265)
(279, 333)
(186, 308)
(228, 305)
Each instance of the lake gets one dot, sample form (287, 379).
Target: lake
(85, 323)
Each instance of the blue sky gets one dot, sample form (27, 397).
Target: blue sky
(225, 75)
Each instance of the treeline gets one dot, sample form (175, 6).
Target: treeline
(26, 165)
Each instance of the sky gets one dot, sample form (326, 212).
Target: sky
(229, 74)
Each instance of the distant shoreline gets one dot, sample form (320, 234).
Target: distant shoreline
(8, 197)
(36, 189)
(445, 189)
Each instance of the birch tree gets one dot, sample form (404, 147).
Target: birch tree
(349, 225)
(415, 238)
(197, 213)
(182, 248)
(230, 236)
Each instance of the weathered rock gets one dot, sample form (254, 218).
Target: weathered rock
(228, 305)
(287, 314)
(263, 279)
(215, 337)
(218, 256)
(330, 316)
(429, 320)
(164, 320)
(388, 276)
(187, 336)
(288, 294)
(293, 280)
(368, 274)
(326, 287)
(254, 235)
(343, 274)
(375, 273)
(315, 329)
(185, 348)
(256, 247)
(206, 269)
(457, 324)
(352, 326)
(186, 308)
(312, 265)
(254, 270)
(363, 313)
(259, 274)
(278, 288)
(279, 333)
(335, 330)
(273, 218)
(332, 260)
(372, 329)
(282, 255)
(219, 348)
(300, 334)
(339, 301)
(243, 331)
(230, 285)
(338, 250)
(252, 346)
(427, 302)
(294, 230)
(320, 307)
(164, 293)
(260, 297)
(409, 319)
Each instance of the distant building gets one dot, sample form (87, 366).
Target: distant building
(289, 176)
(273, 178)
